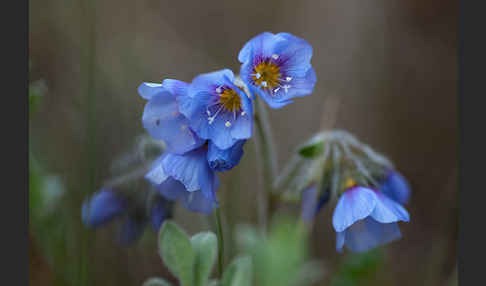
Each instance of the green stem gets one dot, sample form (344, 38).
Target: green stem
(267, 150)
(219, 230)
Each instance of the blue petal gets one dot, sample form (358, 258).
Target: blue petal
(368, 234)
(194, 201)
(201, 96)
(340, 239)
(295, 54)
(260, 45)
(198, 202)
(387, 210)
(353, 205)
(396, 187)
(156, 175)
(161, 118)
(172, 189)
(224, 160)
(159, 212)
(309, 203)
(102, 208)
(148, 89)
(192, 170)
(176, 87)
(131, 229)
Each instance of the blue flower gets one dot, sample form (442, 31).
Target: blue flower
(107, 205)
(224, 160)
(161, 116)
(187, 178)
(365, 218)
(277, 67)
(396, 187)
(160, 211)
(217, 109)
(102, 208)
(312, 203)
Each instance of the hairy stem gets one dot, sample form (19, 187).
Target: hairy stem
(266, 152)
(219, 230)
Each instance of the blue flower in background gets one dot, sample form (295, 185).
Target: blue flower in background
(102, 208)
(365, 218)
(312, 203)
(107, 205)
(217, 109)
(187, 178)
(224, 160)
(396, 187)
(161, 116)
(277, 67)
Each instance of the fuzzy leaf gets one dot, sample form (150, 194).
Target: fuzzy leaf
(156, 282)
(205, 245)
(176, 251)
(238, 273)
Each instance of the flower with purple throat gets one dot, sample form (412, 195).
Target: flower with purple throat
(277, 67)
(217, 109)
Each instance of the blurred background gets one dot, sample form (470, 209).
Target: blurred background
(386, 72)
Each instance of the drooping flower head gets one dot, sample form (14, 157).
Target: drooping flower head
(277, 67)
(186, 177)
(217, 109)
(161, 116)
(365, 218)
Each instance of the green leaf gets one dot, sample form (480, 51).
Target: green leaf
(238, 273)
(176, 251)
(311, 151)
(205, 245)
(156, 282)
(213, 282)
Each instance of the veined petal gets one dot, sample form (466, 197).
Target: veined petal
(387, 210)
(192, 170)
(149, 89)
(355, 204)
(156, 175)
(261, 45)
(209, 117)
(176, 87)
(368, 234)
(198, 202)
(161, 118)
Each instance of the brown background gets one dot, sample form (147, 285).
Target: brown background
(386, 70)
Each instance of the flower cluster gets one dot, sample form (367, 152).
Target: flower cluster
(205, 123)
(335, 166)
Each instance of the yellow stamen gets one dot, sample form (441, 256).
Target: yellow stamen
(266, 75)
(349, 183)
(230, 100)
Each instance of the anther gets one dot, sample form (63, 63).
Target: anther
(275, 56)
(218, 90)
(227, 124)
(243, 113)
(264, 83)
(288, 78)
